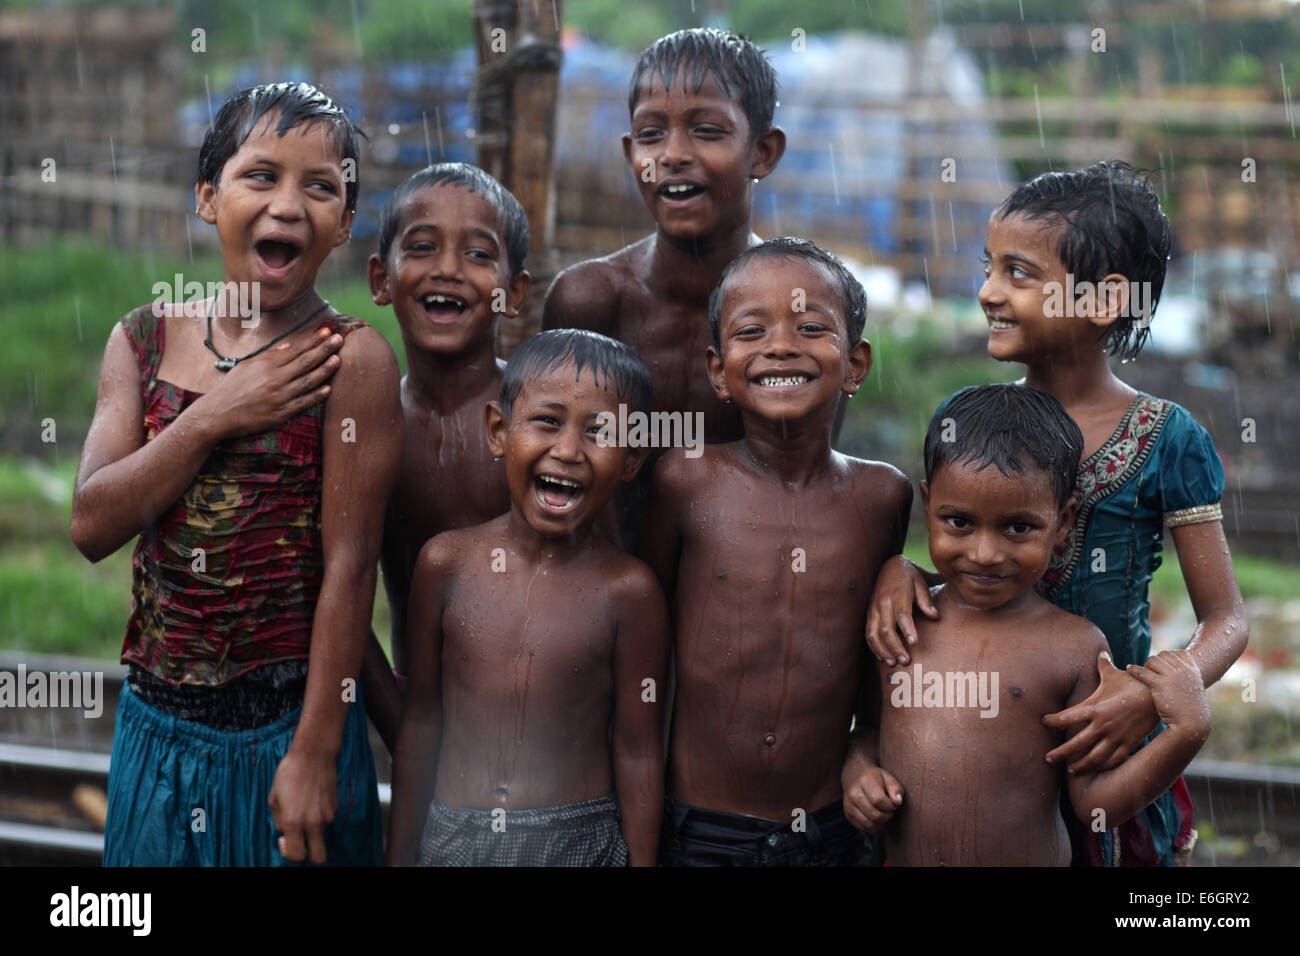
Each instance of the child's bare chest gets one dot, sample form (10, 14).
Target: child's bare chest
(449, 479)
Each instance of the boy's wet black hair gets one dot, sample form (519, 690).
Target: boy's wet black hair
(740, 67)
(1015, 427)
(1113, 224)
(611, 363)
(853, 298)
(296, 103)
(465, 176)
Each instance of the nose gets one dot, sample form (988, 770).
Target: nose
(447, 263)
(988, 549)
(782, 342)
(991, 293)
(568, 444)
(286, 203)
(675, 149)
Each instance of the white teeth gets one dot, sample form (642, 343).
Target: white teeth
(679, 188)
(434, 299)
(772, 381)
(566, 482)
(1001, 324)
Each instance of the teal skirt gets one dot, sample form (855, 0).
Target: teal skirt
(184, 794)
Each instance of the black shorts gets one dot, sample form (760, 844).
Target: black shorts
(693, 836)
(576, 834)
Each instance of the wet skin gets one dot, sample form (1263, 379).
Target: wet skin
(769, 660)
(450, 243)
(654, 294)
(978, 791)
(521, 657)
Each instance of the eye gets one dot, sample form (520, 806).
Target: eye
(325, 186)
(647, 134)
(812, 327)
(262, 176)
(1017, 272)
(549, 420)
(1020, 527)
(482, 255)
(709, 131)
(748, 331)
(418, 247)
(988, 266)
(956, 522)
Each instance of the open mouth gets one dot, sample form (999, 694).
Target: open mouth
(1001, 325)
(277, 255)
(680, 191)
(441, 307)
(783, 381)
(558, 494)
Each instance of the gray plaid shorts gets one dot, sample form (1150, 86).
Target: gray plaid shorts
(575, 834)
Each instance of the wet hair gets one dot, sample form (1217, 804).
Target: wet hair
(1015, 427)
(296, 103)
(465, 176)
(853, 298)
(740, 67)
(1113, 224)
(611, 363)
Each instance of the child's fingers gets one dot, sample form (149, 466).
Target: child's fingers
(892, 787)
(316, 842)
(925, 602)
(1076, 746)
(1080, 713)
(1095, 757)
(291, 845)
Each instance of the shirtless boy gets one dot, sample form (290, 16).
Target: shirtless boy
(768, 548)
(538, 650)
(452, 247)
(701, 104)
(961, 731)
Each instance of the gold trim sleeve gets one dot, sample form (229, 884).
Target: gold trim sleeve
(1199, 515)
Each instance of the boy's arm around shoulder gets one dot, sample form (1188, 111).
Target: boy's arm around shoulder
(583, 296)
(640, 677)
(1111, 797)
(415, 760)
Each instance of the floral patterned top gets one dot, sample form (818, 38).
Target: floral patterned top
(226, 579)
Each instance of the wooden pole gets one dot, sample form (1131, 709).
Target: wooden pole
(517, 88)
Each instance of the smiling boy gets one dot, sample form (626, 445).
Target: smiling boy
(532, 731)
(961, 780)
(768, 548)
(453, 243)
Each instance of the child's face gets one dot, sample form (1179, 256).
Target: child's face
(778, 363)
(446, 264)
(1017, 295)
(691, 154)
(560, 476)
(992, 535)
(279, 209)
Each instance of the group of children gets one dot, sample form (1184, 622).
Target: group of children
(600, 658)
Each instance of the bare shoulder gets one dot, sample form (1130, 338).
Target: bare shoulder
(676, 473)
(440, 555)
(587, 295)
(365, 348)
(1074, 636)
(628, 580)
(878, 483)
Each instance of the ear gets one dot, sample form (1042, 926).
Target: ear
(768, 150)
(377, 273)
(517, 292)
(345, 228)
(859, 364)
(636, 458)
(496, 425)
(1065, 521)
(205, 202)
(627, 149)
(1112, 300)
(716, 377)
(925, 495)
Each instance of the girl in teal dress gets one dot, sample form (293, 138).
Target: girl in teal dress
(1074, 267)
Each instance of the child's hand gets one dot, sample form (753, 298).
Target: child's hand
(304, 798)
(269, 389)
(871, 796)
(1178, 688)
(1117, 716)
(890, 628)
